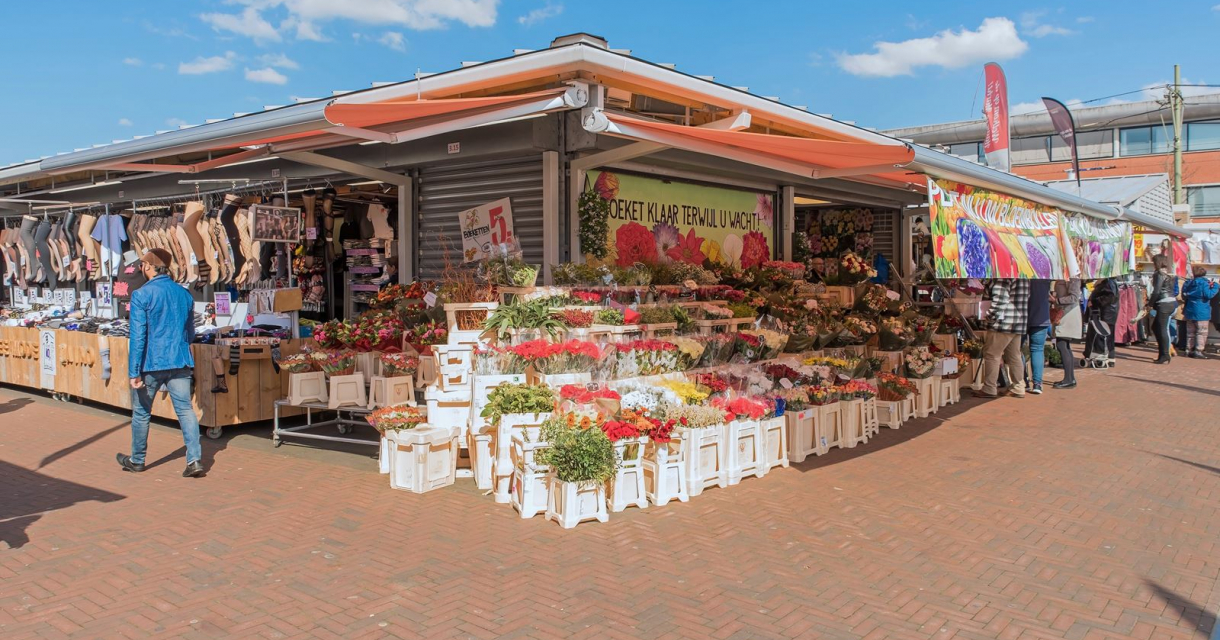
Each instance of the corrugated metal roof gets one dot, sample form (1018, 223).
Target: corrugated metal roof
(1120, 190)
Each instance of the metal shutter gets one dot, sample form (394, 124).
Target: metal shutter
(448, 190)
(885, 233)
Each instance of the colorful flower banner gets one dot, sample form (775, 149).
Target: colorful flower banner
(983, 234)
(661, 220)
(1103, 248)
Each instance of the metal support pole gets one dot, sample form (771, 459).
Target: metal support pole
(551, 182)
(788, 206)
(1175, 97)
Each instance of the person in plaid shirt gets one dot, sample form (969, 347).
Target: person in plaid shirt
(1009, 320)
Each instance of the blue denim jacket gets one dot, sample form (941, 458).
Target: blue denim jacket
(162, 327)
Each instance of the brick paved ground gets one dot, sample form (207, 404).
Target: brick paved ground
(1089, 514)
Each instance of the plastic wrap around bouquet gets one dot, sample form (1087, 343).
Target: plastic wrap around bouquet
(646, 358)
(920, 363)
(893, 334)
(717, 349)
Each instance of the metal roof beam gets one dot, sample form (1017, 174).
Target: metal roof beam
(346, 166)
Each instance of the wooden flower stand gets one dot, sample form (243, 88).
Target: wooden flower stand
(347, 391)
(801, 437)
(828, 427)
(890, 413)
(307, 387)
(385, 392)
(851, 413)
(950, 391)
(926, 399)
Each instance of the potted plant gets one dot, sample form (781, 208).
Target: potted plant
(581, 460)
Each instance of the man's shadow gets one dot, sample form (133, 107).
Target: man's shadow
(208, 450)
(30, 494)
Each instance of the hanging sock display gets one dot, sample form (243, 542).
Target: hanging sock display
(44, 253)
(234, 359)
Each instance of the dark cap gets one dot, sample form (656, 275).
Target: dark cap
(157, 258)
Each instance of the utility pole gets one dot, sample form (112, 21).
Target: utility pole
(1175, 101)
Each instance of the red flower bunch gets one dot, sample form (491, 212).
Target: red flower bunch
(741, 407)
(733, 295)
(617, 430)
(588, 297)
(777, 371)
(576, 318)
(713, 382)
(646, 345)
(565, 357)
(635, 243)
(532, 350)
(580, 395)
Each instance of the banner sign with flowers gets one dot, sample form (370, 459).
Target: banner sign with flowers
(665, 221)
(1103, 248)
(983, 234)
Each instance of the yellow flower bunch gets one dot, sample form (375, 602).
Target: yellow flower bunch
(688, 391)
(836, 363)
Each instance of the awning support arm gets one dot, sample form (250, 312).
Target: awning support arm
(736, 122)
(198, 167)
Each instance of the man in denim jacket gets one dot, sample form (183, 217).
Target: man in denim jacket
(162, 327)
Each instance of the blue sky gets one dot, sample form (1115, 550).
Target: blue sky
(81, 72)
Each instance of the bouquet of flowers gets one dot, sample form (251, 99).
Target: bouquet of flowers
(717, 349)
(893, 334)
(919, 362)
(689, 392)
(741, 408)
(646, 398)
(894, 388)
(713, 382)
(854, 269)
(778, 372)
(963, 364)
(830, 331)
(334, 334)
(795, 399)
(973, 348)
(646, 358)
(832, 364)
(297, 363)
(399, 364)
(821, 394)
(575, 318)
(690, 351)
(773, 342)
(426, 335)
(793, 270)
(922, 327)
(339, 363)
(857, 390)
(606, 400)
(688, 416)
(949, 324)
(747, 347)
(872, 300)
(712, 312)
(397, 417)
(377, 331)
(860, 329)
(573, 356)
(497, 361)
(612, 317)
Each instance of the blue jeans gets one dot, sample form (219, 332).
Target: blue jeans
(1037, 357)
(178, 381)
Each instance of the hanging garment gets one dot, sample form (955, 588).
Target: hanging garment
(33, 271)
(1125, 331)
(44, 253)
(202, 260)
(111, 233)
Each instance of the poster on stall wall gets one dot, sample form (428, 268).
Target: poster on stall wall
(484, 227)
(1102, 248)
(982, 234)
(665, 220)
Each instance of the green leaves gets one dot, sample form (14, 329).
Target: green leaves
(517, 398)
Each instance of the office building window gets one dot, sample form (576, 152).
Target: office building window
(1141, 141)
(1031, 150)
(1089, 144)
(972, 151)
(1202, 135)
(1204, 201)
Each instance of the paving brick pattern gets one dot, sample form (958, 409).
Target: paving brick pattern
(1081, 515)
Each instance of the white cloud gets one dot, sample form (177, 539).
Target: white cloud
(159, 66)
(176, 122)
(305, 16)
(249, 22)
(267, 75)
(1032, 25)
(203, 65)
(995, 39)
(1085, 19)
(124, 122)
(278, 60)
(542, 13)
(133, 62)
(1216, 7)
(393, 40)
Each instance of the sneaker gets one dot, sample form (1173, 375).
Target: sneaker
(1065, 385)
(1036, 389)
(127, 464)
(193, 470)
